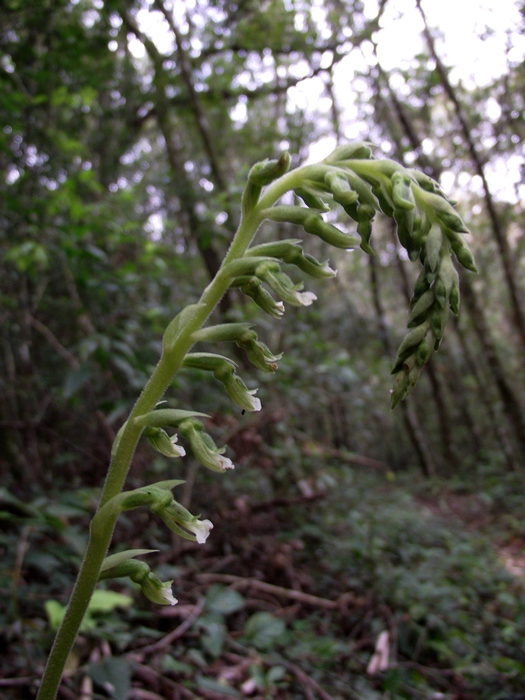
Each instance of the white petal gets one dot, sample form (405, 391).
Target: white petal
(306, 298)
(225, 463)
(168, 596)
(201, 529)
(256, 403)
(328, 270)
(178, 448)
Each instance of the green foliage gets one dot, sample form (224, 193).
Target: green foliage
(101, 602)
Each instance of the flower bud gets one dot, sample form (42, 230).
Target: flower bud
(182, 522)
(421, 286)
(163, 443)
(411, 341)
(315, 225)
(420, 308)
(224, 332)
(283, 286)
(289, 214)
(291, 252)
(426, 183)
(440, 293)
(207, 361)
(453, 298)
(252, 287)
(311, 199)
(406, 378)
(340, 188)
(258, 353)
(138, 571)
(438, 321)
(445, 212)
(402, 194)
(381, 192)
(361, 180)
(406, 219)
(424, 351)
(266, 171)
(381, 168)
(203, 447)
(433, 246)
(237, 389)
(358, 149)
(461, 250)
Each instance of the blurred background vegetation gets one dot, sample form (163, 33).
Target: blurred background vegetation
(127, 129)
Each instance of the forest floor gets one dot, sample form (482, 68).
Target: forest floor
(365, 589)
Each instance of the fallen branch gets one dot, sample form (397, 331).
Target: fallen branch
(306, 598)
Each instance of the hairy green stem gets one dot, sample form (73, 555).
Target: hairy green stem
(162, 376)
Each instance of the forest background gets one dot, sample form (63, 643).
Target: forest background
(127, 131)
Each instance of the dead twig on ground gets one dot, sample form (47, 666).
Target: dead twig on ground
(306, 598)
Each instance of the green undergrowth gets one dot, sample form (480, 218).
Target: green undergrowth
(362, 555)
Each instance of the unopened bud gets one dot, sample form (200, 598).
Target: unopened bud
(461, 250)
(412, 339)
(340, 188)
(420, 308)
(312, 200)
(258, 353)
(266, 171)
(433, 246)
(315, 225)
(421, 286)
(358, 149)
(224, 332)
(402, 194)
(291, 252)
(438, 321)
(252, 287)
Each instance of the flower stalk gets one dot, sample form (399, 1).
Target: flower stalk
(351, 178)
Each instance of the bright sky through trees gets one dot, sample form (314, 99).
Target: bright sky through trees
(476, 38)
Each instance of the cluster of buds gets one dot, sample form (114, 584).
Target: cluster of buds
(428, 227)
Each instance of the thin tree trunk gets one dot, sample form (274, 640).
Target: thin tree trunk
(515, 293)
(496, 424)
(511, 404)
(209, 254)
